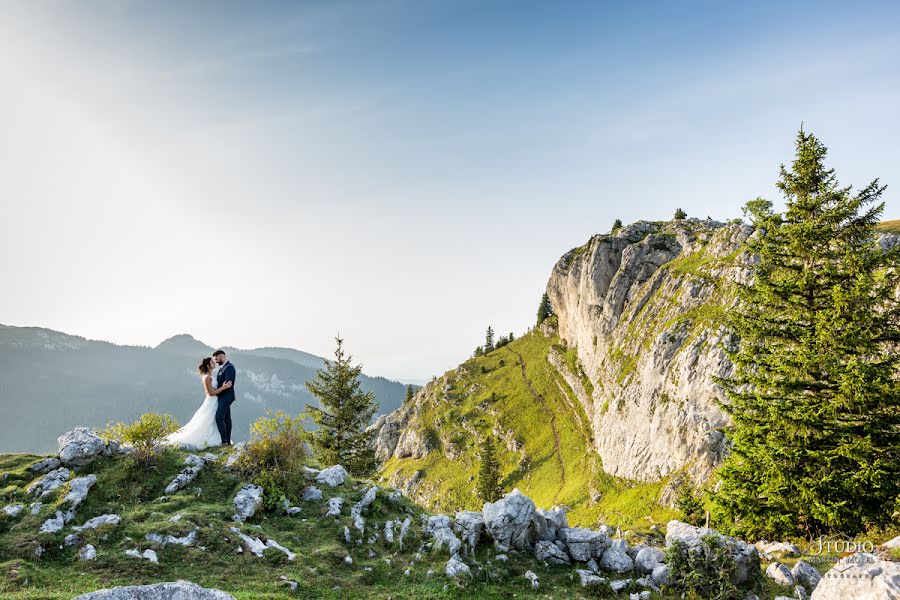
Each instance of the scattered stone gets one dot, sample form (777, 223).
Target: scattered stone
(187, 475)
(39, 551)
(616, 560)
(180, 590)
(588, 578)
(176, 518)
(592, 565)
(395, 496)
(88, 552)
(648, 559)
(346, 535)
(362, 506)
(237, 451)
(312, 494)
(46, 465)
(48, 483)
(806, 575)
(584, 544)
(334, 506)
(745, 556)
(273, 544)
(533, 579)
(660, 575)
(247, 500)
(332, 476)
(780, 574)
(348, 560)
(167, 540)
(78, 490)
(404, 527)
(800, 593)
(444, 537)
(54, 524)
(82, 446)
(456, 568)
(389, 532)
(501, 557)
(549, 552)
(13, 510)
(469, 525)
(73, 539)
(619, 585)
(778, 548)
(108, 519)
(509, 520)
(36, 508)
(549, 523)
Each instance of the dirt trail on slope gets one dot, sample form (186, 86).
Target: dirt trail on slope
(543, 403)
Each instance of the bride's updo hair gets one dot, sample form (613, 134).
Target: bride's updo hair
(205, 366)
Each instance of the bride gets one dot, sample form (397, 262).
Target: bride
(201, 431)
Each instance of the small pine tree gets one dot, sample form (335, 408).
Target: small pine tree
(690, 505)
(479, 351)
(488, 484)
(410, 392)
(489, 340)
(512, 338)
(545, 310)
(680, 214)
(343, 414)
(617, 225)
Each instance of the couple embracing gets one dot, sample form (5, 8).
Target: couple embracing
(211, 424)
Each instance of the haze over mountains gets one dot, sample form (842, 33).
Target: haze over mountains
(49, 380)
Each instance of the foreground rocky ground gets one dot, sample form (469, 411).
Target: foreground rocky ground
(89, 520)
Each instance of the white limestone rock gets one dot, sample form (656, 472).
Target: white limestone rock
(101, 521)
(36, 508)
(780, 574)
(312, 494)
(82, 446)
(78, 490)
(745, 556)
(647, 559)
(584, 544)
(861, 576)
(806, 575)
(248, 499)
(469, 525)
(532, 579)
(509, 521)
(150, 555)
(165, 540)
(46, 465)
(549, 552)
(778, 548)
(332, 476)
(47, 484)
(549, 523)
(334, 506)
(588, 578)
(13, 510)
(616, 560)
(179, 590)
(457, 569)
(54, 524)
(87, 552)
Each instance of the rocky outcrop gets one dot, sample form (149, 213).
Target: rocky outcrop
(861, 577)
(744, 555)
(182, 590)
(82, 446)
(247, 500)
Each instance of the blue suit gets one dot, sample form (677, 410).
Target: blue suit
(223, 412)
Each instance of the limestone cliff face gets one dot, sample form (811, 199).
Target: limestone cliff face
(644, 308)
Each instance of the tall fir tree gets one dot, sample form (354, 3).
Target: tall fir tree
(488, 483)
(814, 395)
(489, 340)
(343, 415)
(410, 392)
(545, 309)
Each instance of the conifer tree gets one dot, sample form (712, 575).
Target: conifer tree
(814, 396)
(488, 340)
(680, 214)
(479, 351)
(488, 483)
(617, 225)
(410, 392)
(343, 414)
(545, 309)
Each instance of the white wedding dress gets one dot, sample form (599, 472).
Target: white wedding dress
(201, 431)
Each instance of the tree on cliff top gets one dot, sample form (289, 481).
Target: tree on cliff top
(545, 309)
(815, 395)
(346, 411)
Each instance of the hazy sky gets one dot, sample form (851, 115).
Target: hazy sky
(402, 172)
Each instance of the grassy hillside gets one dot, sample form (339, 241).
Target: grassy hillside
(889, 226)
(543, 439)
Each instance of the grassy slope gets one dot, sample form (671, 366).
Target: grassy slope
(539, 414)
(889, 226)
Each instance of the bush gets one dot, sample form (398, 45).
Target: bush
(275, 455)
(706, 571)
(145, 436)
(690, 505)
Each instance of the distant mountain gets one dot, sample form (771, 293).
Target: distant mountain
(50, 381)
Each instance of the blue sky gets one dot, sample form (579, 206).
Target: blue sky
(404, 173)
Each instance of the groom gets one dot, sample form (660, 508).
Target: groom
(225, 398)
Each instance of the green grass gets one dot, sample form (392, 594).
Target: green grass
(889, 226)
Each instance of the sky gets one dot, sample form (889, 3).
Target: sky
(403, 173)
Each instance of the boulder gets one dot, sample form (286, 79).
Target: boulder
(82, 446)
(88, 552)
(584, 544)
(456, 568)
(46, 465)
(444, 537)
(102, 520)
(36, 508)
(332, 476)
(404, 527)
(660, 575)
(549, 552)
(745, 556)
(616, 560)
(78, 490)
(509, 521)
(247, 500)
(180, 590)
(334, 506)
(237, 452)
(806, 575)
(588, 578)
(312, 494)
(435, 522)
(13, 510)
(47, 484)
(778, 548)
(54, 524)
(532, 579)
(648, 559)
(469, 526)
(549, 523)
(780, 574)
(861, 576)
(894, 543)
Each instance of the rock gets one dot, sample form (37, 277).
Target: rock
(237, 451)
(469, 526)
(648, 559)
(806, 575)
(334, 506)
(13, 510)
(150, 555)
(389, 532)
(435, 522)
(102, 520)
(361, 507)
(646, 582)
(348, 560)
(456, 568)
(54, 524)
(48, 483)
(78, 490)
(166, 540)
(588, 578)
(73, 539)
(82, 446)
(660, 575)
(133, 552)
(616, 560)
(332, 476)
(88, 552)
(247, 500)
(619, 585)
(894, 543)
(778, 548)
(273, 544)
(48, 464)
(312, 494)
(501, 557)
(179, 590)
(549, 523)
(592, 565)
(184, 478)
(509, 521)
(780, 574)
(176, 518)
(533, 579)
(254, 544)
(36, 508)
(549, 552)
(745, 556)
(584, 544)
(444, 537)
(861, 576)
(395, 496)
(800, 593)
(404, 527)
(293, 511)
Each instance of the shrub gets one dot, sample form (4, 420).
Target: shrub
(690, 505)
(704, 571)
(275, 455)
(145, 436)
